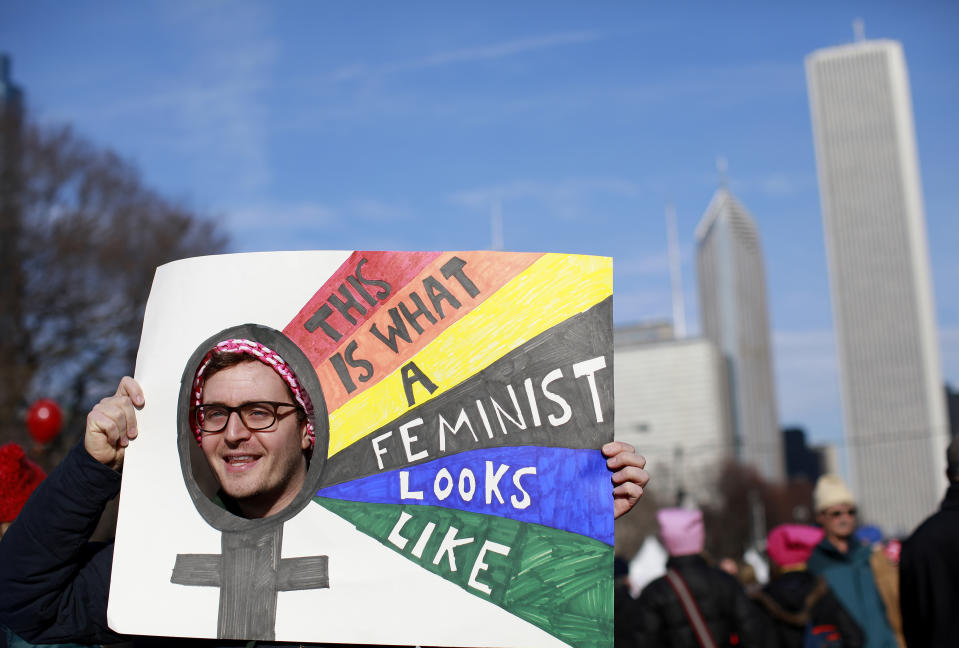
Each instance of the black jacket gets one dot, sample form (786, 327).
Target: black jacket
(722, 602)
(799, 598)
(54, 584)
(929, 578)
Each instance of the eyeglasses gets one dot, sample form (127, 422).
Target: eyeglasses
(257, 416)
(834, 514)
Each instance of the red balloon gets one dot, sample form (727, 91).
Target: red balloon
(44, 420)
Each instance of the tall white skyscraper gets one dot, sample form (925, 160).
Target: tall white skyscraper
(732, 298)
(892, 392)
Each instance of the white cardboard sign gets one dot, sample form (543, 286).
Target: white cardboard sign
(457, 494)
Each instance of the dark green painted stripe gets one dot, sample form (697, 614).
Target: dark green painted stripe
(559, 581)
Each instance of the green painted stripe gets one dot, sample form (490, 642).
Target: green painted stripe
(559, 581)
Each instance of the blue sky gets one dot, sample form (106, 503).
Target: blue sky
(322, 125)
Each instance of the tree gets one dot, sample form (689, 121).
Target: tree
(82, 238)
(732, 525)
(631, 530)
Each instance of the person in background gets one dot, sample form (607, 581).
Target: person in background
(746, 575)
(18, 478)
(845, 563)
(694, 604)
(623, 606)
(800, 604)
(884, 562)
(730, 566)
(929, 571)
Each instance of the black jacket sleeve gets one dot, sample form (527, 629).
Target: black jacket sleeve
(829, 610)
(54, 583)
(649, 629)
(912, 599)
(750, 621)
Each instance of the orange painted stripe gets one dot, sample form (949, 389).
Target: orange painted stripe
(486, 271)
(365, 268)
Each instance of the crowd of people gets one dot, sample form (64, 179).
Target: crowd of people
(827, 588)
(830, 585)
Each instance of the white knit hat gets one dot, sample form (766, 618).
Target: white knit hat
(831, 490)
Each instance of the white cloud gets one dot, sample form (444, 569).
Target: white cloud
(646, 264)
(726, 85)
(655, 263)
(223, 98)
(564, 198)
(376, 211)
(777, 184)
(630, 306)
(299, 225)
(782, 184)
(207, 108)
(282, 217)
(469, 55)
(508, 48)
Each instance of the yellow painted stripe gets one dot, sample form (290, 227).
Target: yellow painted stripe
(550, 291)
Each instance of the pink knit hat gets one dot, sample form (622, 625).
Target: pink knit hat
(792, 544)
(268, 357)
(681, 530)
(18, 477)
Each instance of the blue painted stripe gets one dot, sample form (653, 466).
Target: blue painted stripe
(562, 488)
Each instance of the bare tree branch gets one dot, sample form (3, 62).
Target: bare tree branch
(81, 239)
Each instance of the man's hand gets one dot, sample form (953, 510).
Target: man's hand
(629, 478)
(112, 424)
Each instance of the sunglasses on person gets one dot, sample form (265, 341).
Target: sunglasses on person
(851, 512)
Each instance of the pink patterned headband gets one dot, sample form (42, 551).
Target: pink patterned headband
(268, 357)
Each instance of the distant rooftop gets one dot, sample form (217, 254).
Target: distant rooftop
(725, 207)
(643, 333)
(10, 93)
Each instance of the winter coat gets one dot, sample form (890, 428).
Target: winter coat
(886, 574)
(624, 616)
(798, 599)
(929, 578)
(54, 584)
(851, 580)
(661, 621)
(9, 639)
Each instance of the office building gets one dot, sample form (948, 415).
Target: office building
(893, 407)
(671, 404)
(802, 460)
(732, 298)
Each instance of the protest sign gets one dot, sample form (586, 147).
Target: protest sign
(456, 493)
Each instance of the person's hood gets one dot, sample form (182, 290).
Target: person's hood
(790, 589)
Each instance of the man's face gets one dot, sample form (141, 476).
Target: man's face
(838, 521)
(262, 471)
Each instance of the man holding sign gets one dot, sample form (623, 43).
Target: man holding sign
(425, 434)
(254, 432)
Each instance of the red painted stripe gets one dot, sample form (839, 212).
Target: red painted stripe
(486, 271)
(365, 268)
